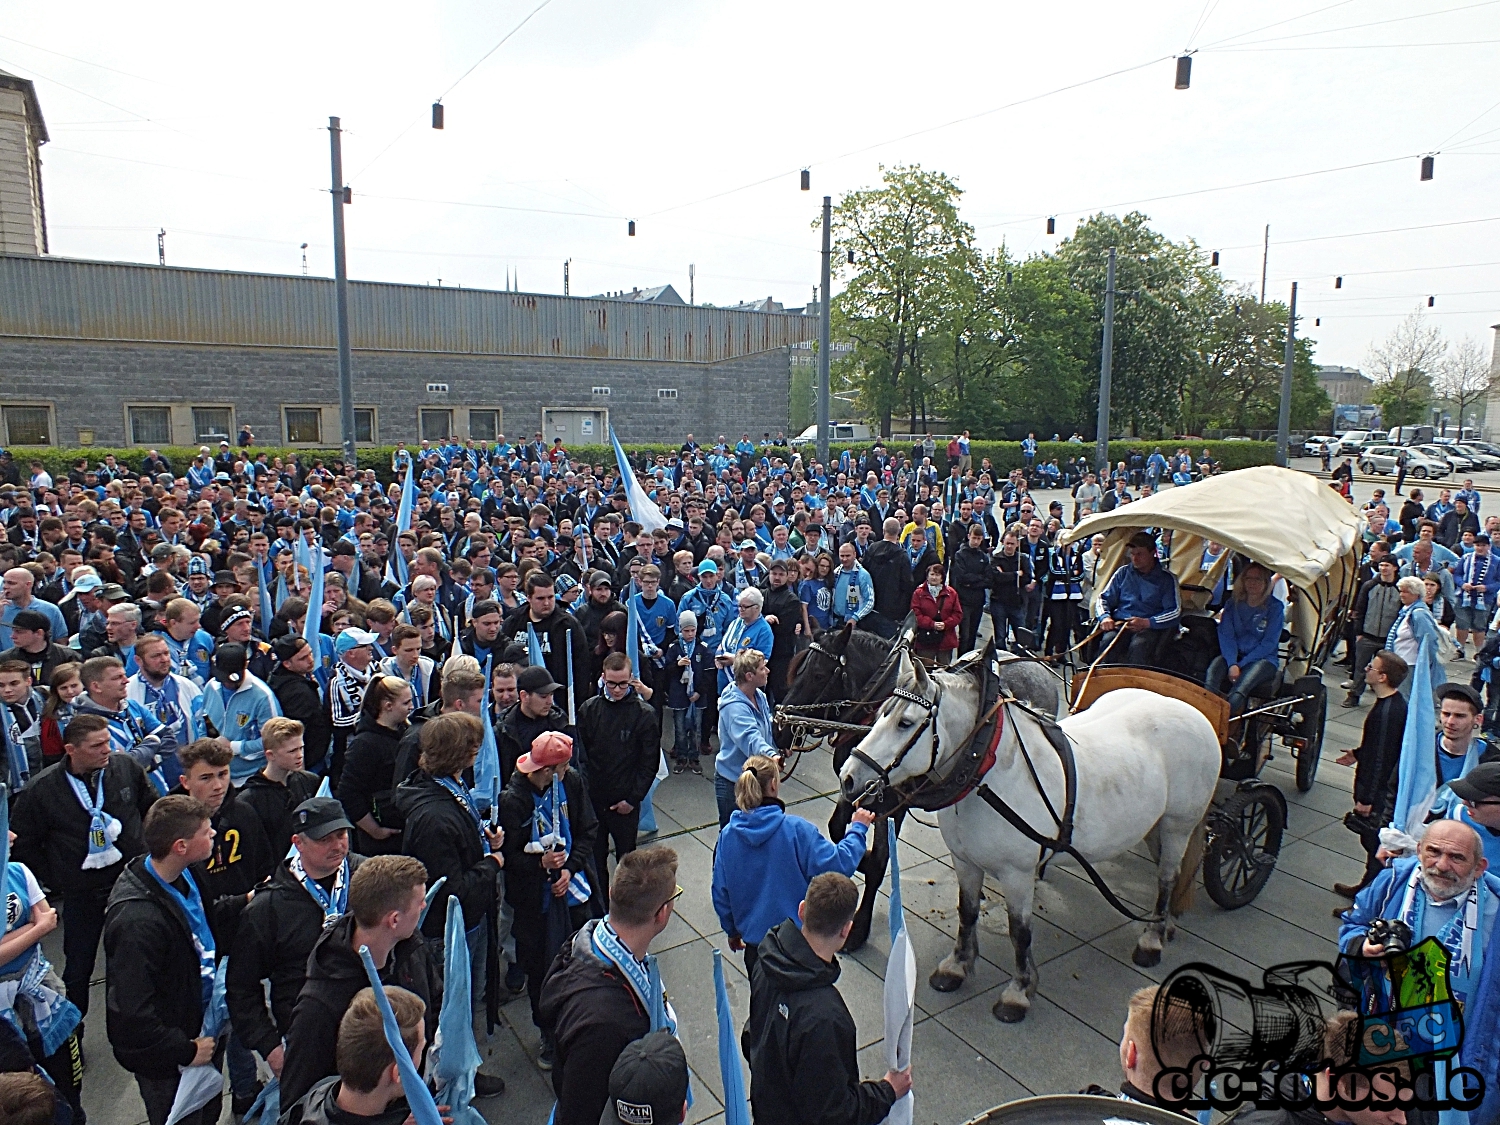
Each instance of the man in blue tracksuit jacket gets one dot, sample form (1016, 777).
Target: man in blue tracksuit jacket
(744, 726)
(1142, 599)
(853, 588)
(236, 705)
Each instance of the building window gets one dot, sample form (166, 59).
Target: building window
(28, 425)
(212, 423)
(150, 425)
(304, 425)
(484, 425)
(364, 425)
(666, 392)
(437, 425)
(601, 392)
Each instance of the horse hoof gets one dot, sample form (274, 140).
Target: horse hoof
(1008, 1012)
(856, 939)
(945, 982)
(1146, 958)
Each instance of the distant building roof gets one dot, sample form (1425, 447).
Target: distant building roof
(660, 295)
(770, 304)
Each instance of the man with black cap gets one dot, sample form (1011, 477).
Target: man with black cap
(361, 582)
(649, 1082)
(299, 698)
(1475, 800)
(1142, 599)
(281, 924)
(236, 705)
(224, 586)
(533, 712)
(30, 634)
(600, 604)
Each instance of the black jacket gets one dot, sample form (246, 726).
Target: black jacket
(273, 803)
(410, 748)
(623, 746)
(300, 699)
(334, 975)
(366, 785)
(970, 573)
(276, 933)
(440, 832)
(43, 663)
(591, 1013)
(514, 733)
(551, 634)
(786, 607)
(590, 615)
(1012, 574)
(800, 1041)
(319, 1107)
(524, 878)
(241, 857)
(1377, 754)
(52, 827)
(890, 572)
(153, 989)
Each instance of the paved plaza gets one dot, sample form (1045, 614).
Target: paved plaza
(965, 1060)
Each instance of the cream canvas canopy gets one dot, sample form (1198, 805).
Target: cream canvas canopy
(1291, 522)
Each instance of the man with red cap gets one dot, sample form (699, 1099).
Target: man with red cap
(549, 827)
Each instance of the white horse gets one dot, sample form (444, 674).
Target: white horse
(1147, 766)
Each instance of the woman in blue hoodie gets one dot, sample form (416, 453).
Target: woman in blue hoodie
(765, 858)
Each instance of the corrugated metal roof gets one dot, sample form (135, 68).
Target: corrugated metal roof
(70, 298)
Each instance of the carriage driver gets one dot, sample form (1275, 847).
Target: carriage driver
(1142, 599)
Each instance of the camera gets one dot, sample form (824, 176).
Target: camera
(1391, 934)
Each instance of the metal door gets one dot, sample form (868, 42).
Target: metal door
(575, 427)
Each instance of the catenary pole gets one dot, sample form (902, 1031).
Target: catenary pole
(341, 295)
(1284, 417)
(1106, 370)
(1265, 256)
(824, 307)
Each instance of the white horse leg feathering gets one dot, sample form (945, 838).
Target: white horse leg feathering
(1144, 762)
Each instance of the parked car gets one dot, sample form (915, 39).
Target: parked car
(1352, 441)
(1315, 445)
(1482, 458)
(1410, 435)
(837, 431)
(1382, 459)
(1484, 447)
(1450, 454)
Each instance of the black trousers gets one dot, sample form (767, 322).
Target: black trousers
(65, 1067)
(622, 830)
(83, 926)
(532, 954)
(968, 629)
(159, 1093)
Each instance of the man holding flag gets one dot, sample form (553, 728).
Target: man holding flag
(547, 635)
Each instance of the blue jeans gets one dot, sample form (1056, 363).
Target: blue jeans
(724, 797)
(1007, 619)
(685, 729)
(241, 1067)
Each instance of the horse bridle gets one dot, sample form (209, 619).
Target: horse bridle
(883, 773)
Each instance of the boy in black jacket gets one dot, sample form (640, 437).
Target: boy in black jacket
(159, 951)
(691, 679)
(800, 1036)
(282, 784)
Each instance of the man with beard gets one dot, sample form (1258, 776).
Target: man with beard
(547, 627)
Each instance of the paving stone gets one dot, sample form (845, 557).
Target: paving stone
(1088, 984)
(952, 1082)
(1049, 1051)
(1263, 939)
(1319, 865)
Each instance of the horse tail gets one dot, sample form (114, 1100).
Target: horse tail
(1187, 873)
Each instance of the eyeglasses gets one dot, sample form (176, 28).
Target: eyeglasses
(617, 685)
(1488, 801)
(677, 894)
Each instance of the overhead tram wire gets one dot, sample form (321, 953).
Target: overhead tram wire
(1359, 26)
(420, 117)
(85, 62)
(94, 97)
(1356, 47)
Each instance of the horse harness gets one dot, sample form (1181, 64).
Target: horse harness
(978, 757)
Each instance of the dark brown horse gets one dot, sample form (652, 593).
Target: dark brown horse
(848, 665)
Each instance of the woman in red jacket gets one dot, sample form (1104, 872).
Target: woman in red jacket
(938, 617)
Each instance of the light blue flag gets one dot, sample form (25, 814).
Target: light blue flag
(642, 507)
(633, 638)
(487, 779)
(900, 989)
(267, 611)
(534, 655)
(395, 567)
(898, 914)
(736, 1110)
(429, 896)
(418, 1098)
(266, 1109)
(457, 1054)
(1418, 781)
(312, 628)
(4, 826)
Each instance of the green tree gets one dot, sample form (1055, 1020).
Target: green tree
(911, 249)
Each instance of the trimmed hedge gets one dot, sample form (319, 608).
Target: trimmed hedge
(1004, 455)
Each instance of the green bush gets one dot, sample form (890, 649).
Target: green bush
(1004, 455)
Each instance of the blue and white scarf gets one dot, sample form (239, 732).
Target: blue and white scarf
(203, 938)
(104, 829)
(465, 799)
(335, 903)
(644, 977)
(550, 823)
(33, 976)
(1458, 936)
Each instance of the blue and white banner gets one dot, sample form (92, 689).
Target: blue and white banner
(642, 507)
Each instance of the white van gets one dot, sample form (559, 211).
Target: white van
(837, 431)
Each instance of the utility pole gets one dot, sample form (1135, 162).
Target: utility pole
(1106, 370)
(692, 294)
(341, 293)
(161, 246)
(1265, 255)
(566, 266)
(1284, 417)
(823, 330)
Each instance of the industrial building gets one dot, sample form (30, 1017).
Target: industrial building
(121, 354)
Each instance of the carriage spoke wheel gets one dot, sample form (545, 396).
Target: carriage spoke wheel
(1247, 831)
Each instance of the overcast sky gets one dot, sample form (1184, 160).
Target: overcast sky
(210, 121)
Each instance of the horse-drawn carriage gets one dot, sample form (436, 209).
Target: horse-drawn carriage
(1297, 527)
